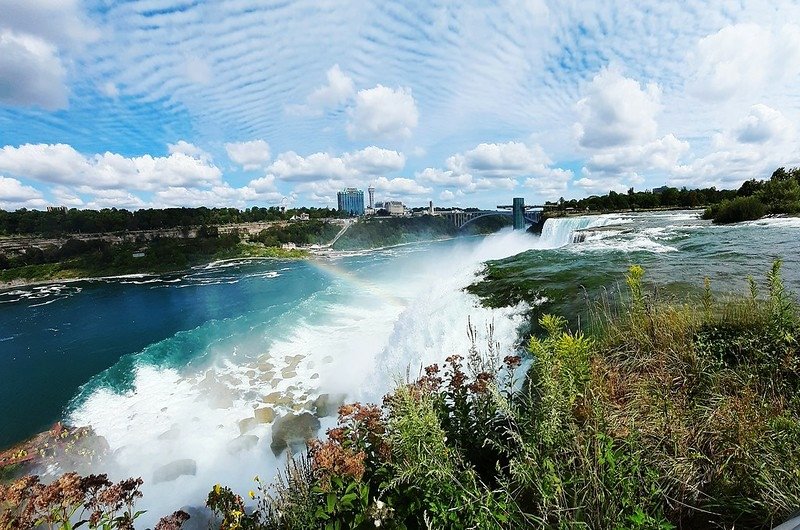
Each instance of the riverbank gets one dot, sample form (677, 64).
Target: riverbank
(78, 270)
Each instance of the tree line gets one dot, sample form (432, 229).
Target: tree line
(74, 221)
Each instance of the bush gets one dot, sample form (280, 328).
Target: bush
(739, 209)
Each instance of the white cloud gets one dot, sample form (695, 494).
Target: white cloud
(491, 166)
(222, 195)
(62, 164)
(374, 160)
(763, 124)
(444, 177)
(661, 154)
(36, 39)
(60, 22)
(292, 167)
(112, 199)
(250, 155)
(356, 166)
(601, 185)
(743, 58)
(339, 90)
(185, 148)
(761, 142)
(264, 184)
(384, 113)
(400, 186)
(14, 195)
(616, 111)
(446, 195)
(31, 73)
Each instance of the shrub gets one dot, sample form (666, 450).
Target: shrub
(739, 209)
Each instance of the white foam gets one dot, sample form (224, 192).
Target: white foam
(358, 336)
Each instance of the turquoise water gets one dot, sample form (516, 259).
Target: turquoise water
(167, 368)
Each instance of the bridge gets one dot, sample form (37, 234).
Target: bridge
(520, 214)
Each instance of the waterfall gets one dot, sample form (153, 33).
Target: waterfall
(560, 231)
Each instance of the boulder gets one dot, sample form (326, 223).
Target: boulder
(292, 431)
(175, 469)
(264, 415)
(246, 425)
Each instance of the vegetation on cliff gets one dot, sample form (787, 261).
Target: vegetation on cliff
(93, 258)
(374, 232)
(82, 258)
(659, 414)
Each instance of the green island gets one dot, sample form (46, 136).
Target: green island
(657, 413)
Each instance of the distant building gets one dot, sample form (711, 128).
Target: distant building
(351, 200)
(301, 217)
(395, 208)
(662, 189)
(62, 209)
(371, 191)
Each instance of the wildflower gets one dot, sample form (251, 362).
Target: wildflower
(172, 522)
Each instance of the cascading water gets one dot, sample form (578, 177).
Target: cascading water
(560, 231)
(191, 404)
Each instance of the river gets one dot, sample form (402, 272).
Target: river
(165, 368)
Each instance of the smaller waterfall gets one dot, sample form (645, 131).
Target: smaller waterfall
(560, 231)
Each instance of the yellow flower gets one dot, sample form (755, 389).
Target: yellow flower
(252, 495)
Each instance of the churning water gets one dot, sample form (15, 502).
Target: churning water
(175, 370)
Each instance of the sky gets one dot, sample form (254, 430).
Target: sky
(160, 103)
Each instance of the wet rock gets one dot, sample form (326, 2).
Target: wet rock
(328, 404)
(292, 431)
(264, 415)
(293, 361)
(278, 398)
(273, 397)
(241, 443)
(327, 359)
(246, 425)
(314, 376)
(286, 374)
(173, 470)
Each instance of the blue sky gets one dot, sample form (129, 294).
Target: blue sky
(240, 102)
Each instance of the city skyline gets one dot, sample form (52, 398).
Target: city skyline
(172, 103)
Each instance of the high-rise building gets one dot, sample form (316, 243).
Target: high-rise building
(371, 191)
(351, 200)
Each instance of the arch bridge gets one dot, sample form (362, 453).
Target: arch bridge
(520, 214)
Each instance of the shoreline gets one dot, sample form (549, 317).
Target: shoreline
(21, 282)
